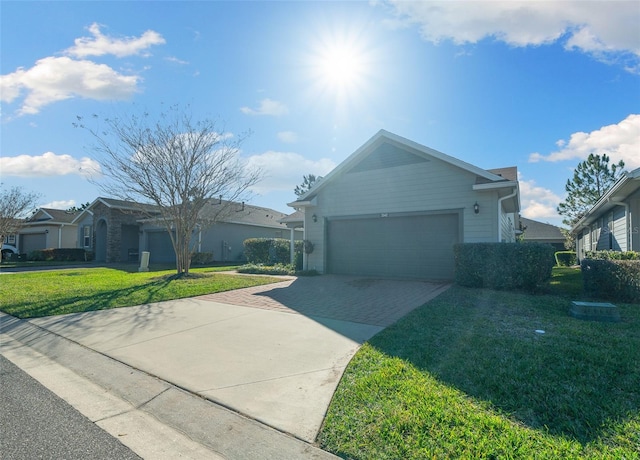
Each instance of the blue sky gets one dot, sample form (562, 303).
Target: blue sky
(537, 85)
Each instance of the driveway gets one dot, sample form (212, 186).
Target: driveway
(274, 353)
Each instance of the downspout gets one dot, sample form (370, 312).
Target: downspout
(500, 200)
(60, 236)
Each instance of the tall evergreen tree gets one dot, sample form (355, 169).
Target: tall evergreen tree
(591, 180)
(307, 183)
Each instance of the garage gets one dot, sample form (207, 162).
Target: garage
(30, 242)
(160, 247)
(400, 246)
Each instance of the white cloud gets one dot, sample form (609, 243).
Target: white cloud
(284, 170)
(57, 78)
(99, 44)
(267, 107)
(619, 141)
(175, 60)
(48, 164)
(537, 202)
(288, 137)
(605, 30)
(59, 204)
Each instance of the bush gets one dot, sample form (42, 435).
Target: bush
(269, 251)
(201, 258)
(612, 279)
(506, 266)
(565, 258)
(61, 255)
(612, 255)
(260, 269)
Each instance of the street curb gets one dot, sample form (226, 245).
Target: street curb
(228, 433)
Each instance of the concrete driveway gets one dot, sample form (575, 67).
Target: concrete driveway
(274, 353)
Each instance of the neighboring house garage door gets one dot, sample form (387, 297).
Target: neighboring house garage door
(32, 242)
(416, 246)
(160, 247)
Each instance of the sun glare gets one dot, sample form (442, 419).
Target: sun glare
(341, 66)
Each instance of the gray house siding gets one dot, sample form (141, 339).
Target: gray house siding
(427, 186)
(635, 222)
(619, 230)
(614, 221)
(224, 240)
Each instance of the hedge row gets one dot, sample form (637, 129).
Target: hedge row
(612, 279)
(506, 266)
(61, 255)
(612, 255)
(566, 258)
(271, 251)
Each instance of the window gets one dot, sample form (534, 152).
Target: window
(87, 236)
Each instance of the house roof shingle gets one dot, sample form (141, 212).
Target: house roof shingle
(540, 231)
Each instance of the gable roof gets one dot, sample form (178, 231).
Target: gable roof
(51, 216)
(540, 231)
(628, 184)
(242, 213)
(373, 154)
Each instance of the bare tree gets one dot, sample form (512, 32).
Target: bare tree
(15, 204)
(174, 162)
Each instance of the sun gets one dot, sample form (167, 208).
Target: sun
(341, 66)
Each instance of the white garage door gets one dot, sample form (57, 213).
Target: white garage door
(415, 246)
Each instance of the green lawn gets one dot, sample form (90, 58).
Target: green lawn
(468, 376)
(56, 292)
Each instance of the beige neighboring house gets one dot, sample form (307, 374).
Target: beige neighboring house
(613, 223)
(540, 232)
(395, 208)
(47, 228)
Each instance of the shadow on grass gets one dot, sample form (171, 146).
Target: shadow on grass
(143, 293)
(578, 379)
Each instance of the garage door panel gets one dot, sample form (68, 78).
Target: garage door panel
(406, 246)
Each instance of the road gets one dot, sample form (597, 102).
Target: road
(35, 423)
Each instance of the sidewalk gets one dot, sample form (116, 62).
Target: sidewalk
(152, 417)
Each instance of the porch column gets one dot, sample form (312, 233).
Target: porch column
(292, 245)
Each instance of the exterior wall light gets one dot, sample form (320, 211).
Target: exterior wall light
(476, 208)
(315, 218)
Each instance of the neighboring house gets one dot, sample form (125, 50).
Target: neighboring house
(540, 232)
(47, 228)
(614, 221)
(122, 230)
(396, 208)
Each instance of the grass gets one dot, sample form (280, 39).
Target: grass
(468, 376)
(57, 292)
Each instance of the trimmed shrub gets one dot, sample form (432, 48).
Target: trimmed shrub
(270, 251)
(612, 255)
(612, 279)
(201, 258)
(504, 266)
(260, 269)
(61, 255)
(565, 258)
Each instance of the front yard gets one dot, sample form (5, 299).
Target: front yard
(57, 292)
(471, 375)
